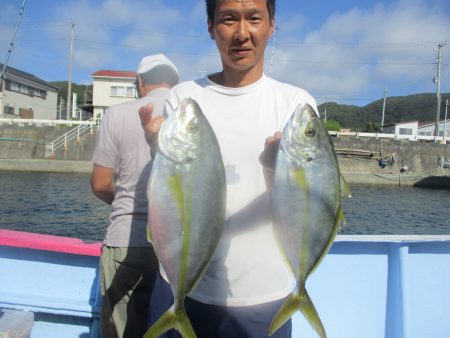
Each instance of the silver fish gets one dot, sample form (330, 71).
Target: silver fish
(307, 207)
(187, 197)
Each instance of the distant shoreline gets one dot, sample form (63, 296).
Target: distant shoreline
(85, 167)
(56, 166)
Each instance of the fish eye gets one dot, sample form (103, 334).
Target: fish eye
(192, 127)
(310, 132)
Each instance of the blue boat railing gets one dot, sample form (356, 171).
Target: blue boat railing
(367, 286)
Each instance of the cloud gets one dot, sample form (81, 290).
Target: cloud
(108, 32)
(351, 50)
(343, 52)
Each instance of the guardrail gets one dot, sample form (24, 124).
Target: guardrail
(74, 133)
(35, 122)
(389, 136)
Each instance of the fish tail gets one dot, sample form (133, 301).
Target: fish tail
(172, 319)
(298, 301)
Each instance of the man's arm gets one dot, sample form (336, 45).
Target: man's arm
(151, 126)
(268, 158)
(102, 183)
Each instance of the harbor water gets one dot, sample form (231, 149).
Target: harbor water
(63, 205)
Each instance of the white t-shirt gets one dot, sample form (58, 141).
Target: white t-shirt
(247, 268)
(121, 145)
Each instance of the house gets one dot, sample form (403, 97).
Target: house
(23, 95)
(427, 129)
(414, 129)
(112, 87)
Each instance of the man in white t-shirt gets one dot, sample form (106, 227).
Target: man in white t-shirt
(247, 280)
(122, 164)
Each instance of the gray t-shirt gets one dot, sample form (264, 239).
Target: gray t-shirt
(121, 145)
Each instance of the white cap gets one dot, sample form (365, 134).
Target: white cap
(149, 62)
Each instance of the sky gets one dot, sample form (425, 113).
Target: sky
(346, 51)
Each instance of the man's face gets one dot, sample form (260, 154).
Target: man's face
(241, 29)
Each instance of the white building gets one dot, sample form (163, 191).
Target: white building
(112, 87)
(415, 129)
(427, 129)
(24, 95)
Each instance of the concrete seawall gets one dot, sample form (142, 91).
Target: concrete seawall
(57, 166)
(361, 160)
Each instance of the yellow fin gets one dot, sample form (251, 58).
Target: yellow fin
(298, 300)
(149, 234)
(345, 189)
(172, 319)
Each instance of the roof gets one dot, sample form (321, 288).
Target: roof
(115, 73)
(428, 124)
(13, 72)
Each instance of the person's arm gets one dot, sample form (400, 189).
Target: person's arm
(268, 158)
(102, 183)
(151, 126)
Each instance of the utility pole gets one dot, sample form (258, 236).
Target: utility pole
(382, 112)
(69, 84)
(445, 120)
(437, 80)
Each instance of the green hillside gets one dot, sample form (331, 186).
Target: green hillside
(418, 107)
(81, 90)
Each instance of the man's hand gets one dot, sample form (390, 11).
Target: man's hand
(268, 158)
(151, 126)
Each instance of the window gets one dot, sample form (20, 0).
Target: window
(130, 91)
(117, 91)
(23, 89)
(14, 86)
(113, 91)
(9, 110)
(405, 131)
(122, 91)
(40, 93)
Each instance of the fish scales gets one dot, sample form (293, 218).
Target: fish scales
(187, 195)
(306, 206)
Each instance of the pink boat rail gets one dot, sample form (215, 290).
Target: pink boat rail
(29, 240)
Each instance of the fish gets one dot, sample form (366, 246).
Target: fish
(307, 209)
(186, 207)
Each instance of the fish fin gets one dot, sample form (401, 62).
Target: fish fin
(345, 188)
(149, 234)
(286, 311)
(339, 220)
(172, 319)
(298, 301)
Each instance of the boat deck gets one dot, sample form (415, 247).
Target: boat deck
(367, 286)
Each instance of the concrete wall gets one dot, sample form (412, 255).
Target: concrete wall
(31, 142)
(363, 154)
(360, 159)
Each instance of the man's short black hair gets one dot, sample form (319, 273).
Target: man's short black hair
(160, 74)
(211, 8)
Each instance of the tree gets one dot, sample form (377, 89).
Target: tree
(332, 125)
(372, 127)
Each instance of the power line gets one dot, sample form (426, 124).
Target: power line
(11, 45)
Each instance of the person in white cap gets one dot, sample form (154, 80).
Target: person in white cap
(122, 165)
